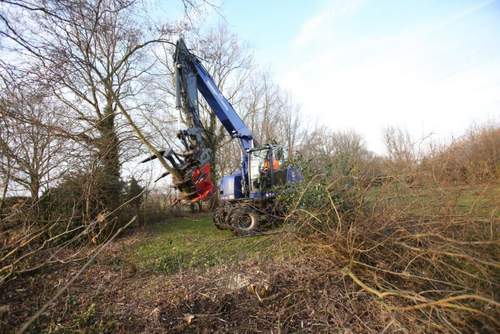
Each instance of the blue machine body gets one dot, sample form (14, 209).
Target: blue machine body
(230, 187)
(225, 113)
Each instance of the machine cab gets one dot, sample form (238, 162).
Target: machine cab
(267, 167)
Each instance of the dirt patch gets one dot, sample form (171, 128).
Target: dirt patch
(113, 296)
(307, 294)
(284, 301)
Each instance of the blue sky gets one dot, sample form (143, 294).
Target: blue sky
(428, 66)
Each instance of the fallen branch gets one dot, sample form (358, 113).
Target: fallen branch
(35, 316)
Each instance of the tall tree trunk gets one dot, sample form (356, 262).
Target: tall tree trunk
(5, 188)
(109, 178)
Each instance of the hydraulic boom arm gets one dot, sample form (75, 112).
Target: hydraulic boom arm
(194, 162)
(191, 76)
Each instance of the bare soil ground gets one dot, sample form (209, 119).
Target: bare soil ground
(116, 295)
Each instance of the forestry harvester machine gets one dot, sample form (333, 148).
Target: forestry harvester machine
(247, 197)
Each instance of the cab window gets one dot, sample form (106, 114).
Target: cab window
(257, 165)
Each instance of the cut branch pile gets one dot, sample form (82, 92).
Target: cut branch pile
(424, 259)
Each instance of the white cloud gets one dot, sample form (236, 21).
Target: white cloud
(410, 79)
(312, 30)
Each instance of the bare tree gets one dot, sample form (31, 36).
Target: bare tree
(30, 148)
(92, 55)
(341, 153)
(399, 145)
(288, 129)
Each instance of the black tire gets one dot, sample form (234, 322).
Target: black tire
(245, 221)
(219, 218)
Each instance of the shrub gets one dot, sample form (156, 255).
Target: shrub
(425, 252)
(472, 158)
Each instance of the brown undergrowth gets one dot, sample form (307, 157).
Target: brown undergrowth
(428, 255)
(247, 297)
(366, 262)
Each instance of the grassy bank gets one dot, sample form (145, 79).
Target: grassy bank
(185, 243)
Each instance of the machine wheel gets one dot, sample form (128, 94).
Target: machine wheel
(245, 221)
(220, 217)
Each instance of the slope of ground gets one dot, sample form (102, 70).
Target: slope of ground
(127, 286)
(185, 276)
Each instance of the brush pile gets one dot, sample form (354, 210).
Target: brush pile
(426, 255)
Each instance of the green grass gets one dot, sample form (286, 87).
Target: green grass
(182, 243)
